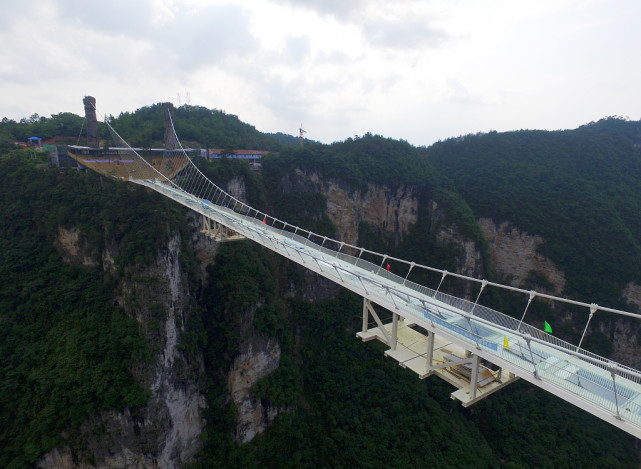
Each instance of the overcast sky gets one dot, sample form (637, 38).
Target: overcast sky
(414, 70)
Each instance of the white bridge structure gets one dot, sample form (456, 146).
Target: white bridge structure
(475, 348)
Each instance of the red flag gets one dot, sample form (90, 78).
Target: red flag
(265, 220)
(388, 266)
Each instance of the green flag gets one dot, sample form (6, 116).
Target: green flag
(548, 328)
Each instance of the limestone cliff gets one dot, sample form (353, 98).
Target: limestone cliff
(75, 248)
(258, 358)
(514, 256)
(391, 211)
(166, 432)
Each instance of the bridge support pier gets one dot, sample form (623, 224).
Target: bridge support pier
(218, 232)
(430, 351)
(426, 353)
(475, 376)
(386, 336)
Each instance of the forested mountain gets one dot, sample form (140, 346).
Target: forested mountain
(578, 189)
(126, 335)
(199, 127)
(64, 124)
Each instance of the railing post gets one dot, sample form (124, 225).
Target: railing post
(483, 284)
(391, 296)
(532, 295)
(363, 285)
(445, 272)
(412, 264)
(469, 323)
(528, 339)
(593, 309)
(385, 256)
(613, 369)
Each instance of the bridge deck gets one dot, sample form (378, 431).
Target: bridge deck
(583, 381)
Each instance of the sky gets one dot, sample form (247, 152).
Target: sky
(420, 71)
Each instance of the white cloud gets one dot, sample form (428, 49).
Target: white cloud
(418, 70)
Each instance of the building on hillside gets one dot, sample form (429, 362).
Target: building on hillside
(253, 156)
(245, 154)
(35, 142)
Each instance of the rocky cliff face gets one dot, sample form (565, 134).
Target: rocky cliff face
(392, 211)
(258, 358)
(166, 432)
(632, 295)
(237, 188)
(74, 247)
(514, 256)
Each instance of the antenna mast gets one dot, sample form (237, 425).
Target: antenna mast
(301, 134)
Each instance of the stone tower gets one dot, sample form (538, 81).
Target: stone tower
(170, 138)
(93, 139)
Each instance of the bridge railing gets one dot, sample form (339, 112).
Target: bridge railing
(459, 316)
(598, 389)
(505, 321)
(334, 247)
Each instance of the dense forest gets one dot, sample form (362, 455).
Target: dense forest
(578, 189)
(66, 349)
(199, 128)
(354, 408)
(69, 351)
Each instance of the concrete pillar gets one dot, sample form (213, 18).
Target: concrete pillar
(169, 138)
(93, 139)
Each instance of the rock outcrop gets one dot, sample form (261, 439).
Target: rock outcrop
(514, 255)
(74, 247)
(166, 432)
(393, 211)
(258, 358)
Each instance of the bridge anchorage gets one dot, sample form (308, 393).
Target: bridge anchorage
(475, 348)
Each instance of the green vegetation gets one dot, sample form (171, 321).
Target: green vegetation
(67, 350)
(222, 171)
(196, 126)
(354, 164)
(349, 406)
(370, 159)
(578, 189)
(64, 124)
